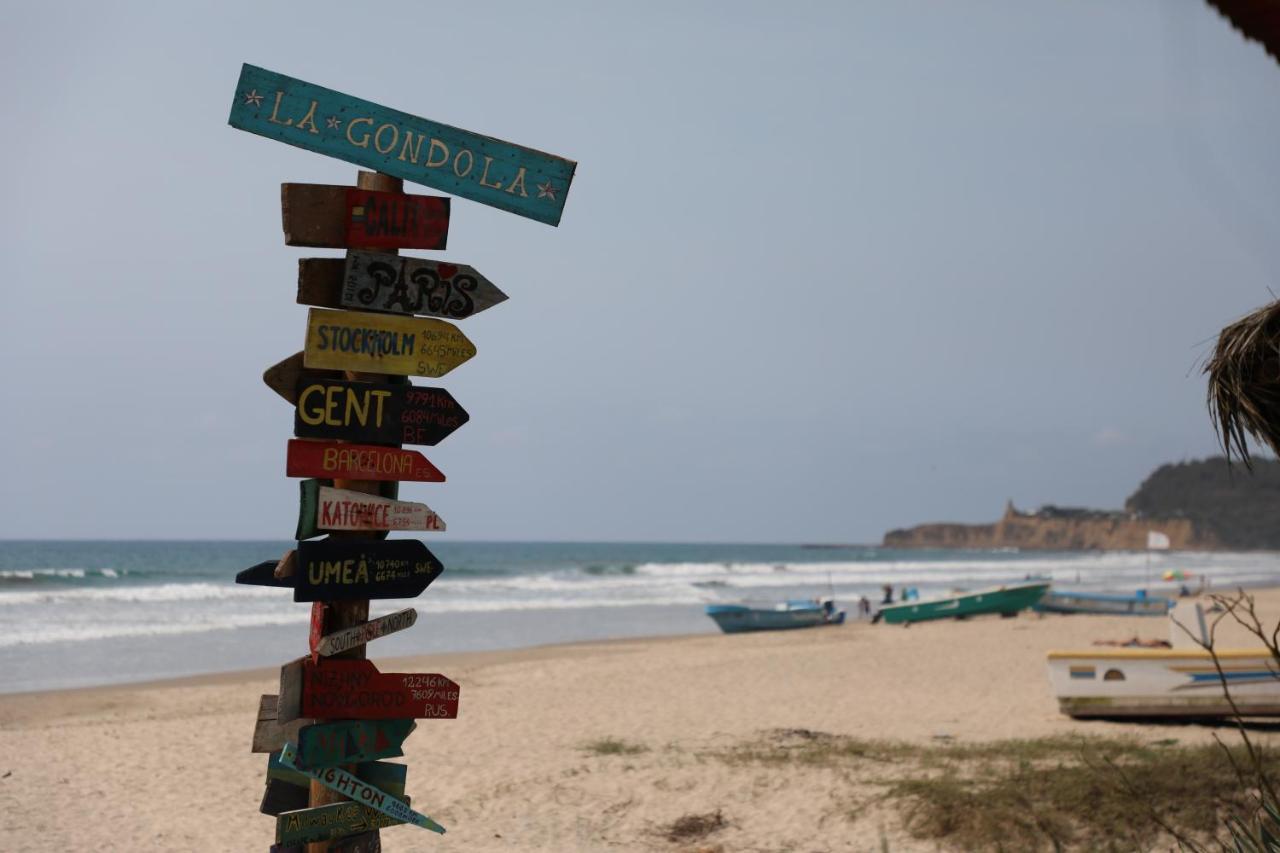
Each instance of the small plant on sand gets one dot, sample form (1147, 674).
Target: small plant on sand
(692, 827)
(613, 746)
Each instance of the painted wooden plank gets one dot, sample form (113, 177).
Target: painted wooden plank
(318, 609)
(404, 285)
(269, 735)
(289, 700)
(354, 688)
(263, 574)
(366, 632)
(509, 177)
(384, 343)
(369, 281)
(353, 742)
(285, 376)
(386, 775)
(344, 783)
(331, 217)
(323, 508)
(376, 412)
(352, 569)
(280, 796)
(290, 848)
(336, 820)
(329, 460)
(365, 842)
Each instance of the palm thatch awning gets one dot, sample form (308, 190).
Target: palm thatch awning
(1256, 19)
(1244, 382)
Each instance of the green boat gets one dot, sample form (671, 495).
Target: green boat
(1005, 600)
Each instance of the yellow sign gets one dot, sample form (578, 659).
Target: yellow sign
(384, 343)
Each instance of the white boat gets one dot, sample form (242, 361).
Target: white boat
(1140, 682)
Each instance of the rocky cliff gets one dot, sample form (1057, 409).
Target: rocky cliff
(1201, 506)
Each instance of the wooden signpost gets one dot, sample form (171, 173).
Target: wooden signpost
(355, 689)
(353, 742)
(369, 281)
(384, 343)
(366, 632)
(349, 217)
(352, 570)
(376, 412)
(330, 460)
(374, 323)
(323, 508)
(509, 177)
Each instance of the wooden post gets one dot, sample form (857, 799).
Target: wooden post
(344, 614)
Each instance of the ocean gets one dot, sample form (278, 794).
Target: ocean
(80, 613)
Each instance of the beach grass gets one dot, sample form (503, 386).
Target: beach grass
(1051, 793)
(613, 746)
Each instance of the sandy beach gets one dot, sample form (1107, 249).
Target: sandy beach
(167, 765)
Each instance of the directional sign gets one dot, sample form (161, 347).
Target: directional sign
(353, 569)
(330, 460)
(353, 688)
(385, 775)
(324, 508)
(509, 177)
(368, 281)
(348, 217)
(376, 412)
(365, 632)
(335, 820)
(350, 570)
(353, 742)
(383, 343)
(344, 783)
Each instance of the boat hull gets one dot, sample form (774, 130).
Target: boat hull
(1055, 601)
(738, 619)
(1164, 683)
(1007, 601)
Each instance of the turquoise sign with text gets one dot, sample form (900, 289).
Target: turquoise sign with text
(509, 177)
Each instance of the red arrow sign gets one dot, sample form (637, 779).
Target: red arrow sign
(330, 460)
(354, 689)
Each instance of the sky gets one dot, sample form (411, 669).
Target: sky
(825, 269)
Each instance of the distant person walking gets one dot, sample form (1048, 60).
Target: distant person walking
(888, 594)
(864, 606)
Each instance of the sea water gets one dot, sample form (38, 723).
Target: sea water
(79, 613)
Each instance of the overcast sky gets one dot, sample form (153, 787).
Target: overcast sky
(825, 269)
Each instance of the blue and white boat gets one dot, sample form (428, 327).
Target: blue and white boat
(1138, 604)
(801, 613)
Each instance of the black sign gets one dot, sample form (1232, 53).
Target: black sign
(375, 412)
(352, 569)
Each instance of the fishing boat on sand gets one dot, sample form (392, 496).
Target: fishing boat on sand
(805, 613)
(1165, 683)
(1065, 601)
(1005, 600)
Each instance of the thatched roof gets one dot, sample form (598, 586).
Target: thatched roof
(1244, 382)
(1256, 19)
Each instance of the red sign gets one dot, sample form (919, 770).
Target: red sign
(354, 689)
(381, 220)
(317, 628)
(330, 460)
